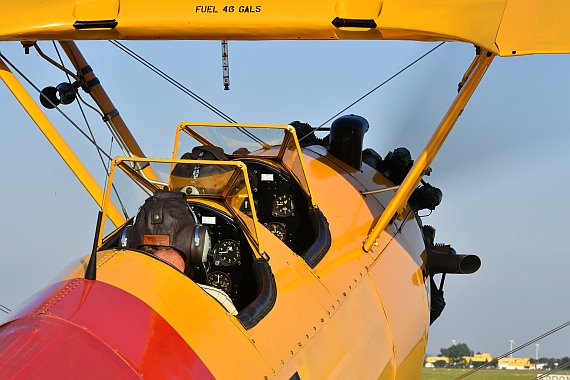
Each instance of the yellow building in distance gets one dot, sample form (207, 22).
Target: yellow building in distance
(515, 363)
(430, 360)
(480, 359)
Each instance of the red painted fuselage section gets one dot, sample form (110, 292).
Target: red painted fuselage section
(90, 329)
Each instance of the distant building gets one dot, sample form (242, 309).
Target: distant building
(430, 360)
(515, 363)
(481, 359)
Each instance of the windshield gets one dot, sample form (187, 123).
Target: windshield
(222, 183)
(278, 142)
(235, 140)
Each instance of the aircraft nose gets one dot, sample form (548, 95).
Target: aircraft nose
(49, 347)
(94, 330)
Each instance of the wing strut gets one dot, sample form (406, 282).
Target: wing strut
(422, 163)
(57, 141)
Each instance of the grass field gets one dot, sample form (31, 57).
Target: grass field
(484, 374)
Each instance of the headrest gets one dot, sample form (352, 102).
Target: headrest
(205, 152)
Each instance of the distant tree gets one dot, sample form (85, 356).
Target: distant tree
(456, 352)
(439, 364)
(564, 360)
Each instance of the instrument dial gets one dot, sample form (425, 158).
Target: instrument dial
(220, 280)
(283, 205)
(227, 253)
(277, 229)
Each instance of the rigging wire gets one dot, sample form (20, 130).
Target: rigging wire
(56, 107)
(514, 350)
(184, 89)
(376, 88)
(172, 81)
(105, 166)
(4, 309)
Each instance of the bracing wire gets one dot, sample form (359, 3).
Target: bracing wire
(376, 88)
(172, 81)
(82, 112)
(492, 362)
(184, 89)
(105, 166)
(5, 309)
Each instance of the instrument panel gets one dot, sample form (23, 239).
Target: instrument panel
(229, 265)
(281, 205)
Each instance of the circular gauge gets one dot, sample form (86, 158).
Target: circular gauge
(190, 190)
(283, 205)
(277, 229)
(227, 253)
(220, 280)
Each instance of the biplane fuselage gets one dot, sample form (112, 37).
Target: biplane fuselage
(355, 312)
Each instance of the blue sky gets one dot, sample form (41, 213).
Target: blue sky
(503, 170)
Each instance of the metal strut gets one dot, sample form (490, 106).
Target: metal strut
(475, 72)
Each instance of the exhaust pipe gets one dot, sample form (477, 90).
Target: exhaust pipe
(443, 259)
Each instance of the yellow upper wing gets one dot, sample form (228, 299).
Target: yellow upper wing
(505, 27)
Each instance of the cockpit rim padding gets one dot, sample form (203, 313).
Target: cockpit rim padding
(315, 253)
(266, 298)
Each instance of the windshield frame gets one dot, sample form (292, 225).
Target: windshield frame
(250, 226)
(293, 162)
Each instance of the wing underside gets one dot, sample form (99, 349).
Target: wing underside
(504, 27)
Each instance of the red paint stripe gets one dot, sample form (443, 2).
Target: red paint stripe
(43, 298)
(44, 347)
(124, 323)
